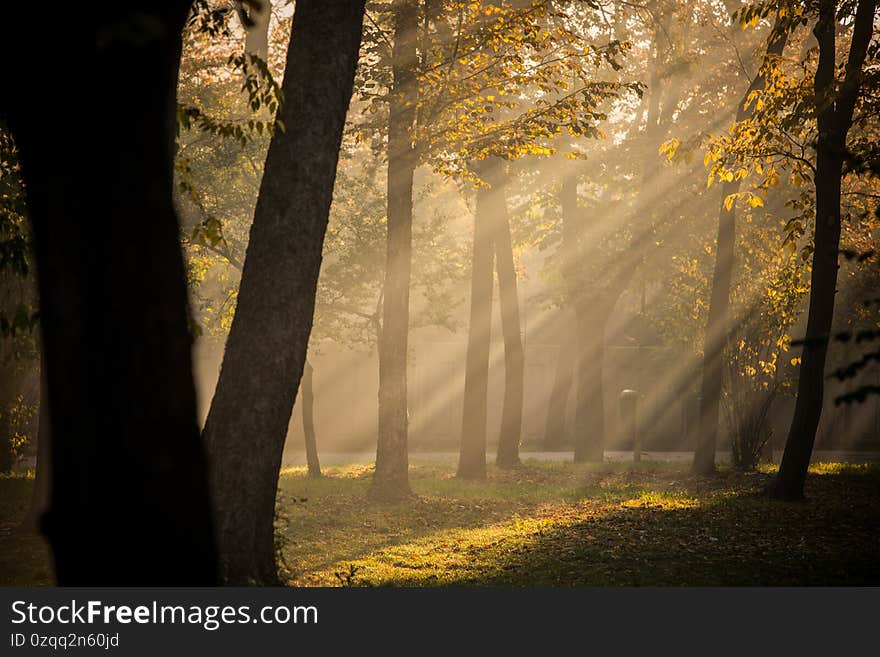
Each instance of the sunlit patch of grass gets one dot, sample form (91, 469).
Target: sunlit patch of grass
(449, 556)
(823, 468)
(661, 500)
(564, 524)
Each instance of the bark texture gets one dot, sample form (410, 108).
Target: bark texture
(266, 349)
(130, 501)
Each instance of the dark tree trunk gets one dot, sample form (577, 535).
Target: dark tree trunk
(309, 422)
(514, 359)
(391, 479)
(472, 455)
(834, 118)
(266, 349)
(130, 498)
(718, 324)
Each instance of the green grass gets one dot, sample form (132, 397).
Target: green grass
(551, 524)
(555, 524)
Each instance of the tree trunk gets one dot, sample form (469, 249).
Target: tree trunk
(472, 455)
(514, 358)
(391, 479)
(309, 422)
(834, 118)
(571, 278)
(130, 501)
(554, 430)
(266, 349)
(718, 324)
(589, 445)
(716, 338)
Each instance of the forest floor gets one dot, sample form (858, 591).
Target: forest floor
(550, 524)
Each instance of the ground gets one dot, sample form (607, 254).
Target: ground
(551, 524)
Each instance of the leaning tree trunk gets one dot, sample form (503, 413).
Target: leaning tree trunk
(130, 498)
(308, 418)
(391, 479)
(718, 324)
(834, 118)
(514, 358)
(472, 454)
(266, 349)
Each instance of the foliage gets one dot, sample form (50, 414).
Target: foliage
(494, 80)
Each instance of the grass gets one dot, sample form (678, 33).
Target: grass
(552, 524)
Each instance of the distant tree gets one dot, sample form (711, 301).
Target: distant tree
(391, 479)
(514, 355)
(472, 453)
(268, 340)
(129, 493)
(308, 419)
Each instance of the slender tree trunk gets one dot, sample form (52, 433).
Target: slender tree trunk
(472, 455)
(266, 349)
(514, 358)
(130, 498)
(568, 352)
(554, 431)
(834, 118)
(718, 324)
(391, 479)
(309, 422)
(589, 445)
(716, 338)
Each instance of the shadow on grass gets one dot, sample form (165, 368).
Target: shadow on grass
(641, 528)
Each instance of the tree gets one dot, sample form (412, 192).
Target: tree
(835, 103)
(308, 397)
(472, 455)
(391, 479)
(268, 339)
(717, 327)
(129, 481)
(514, 358)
